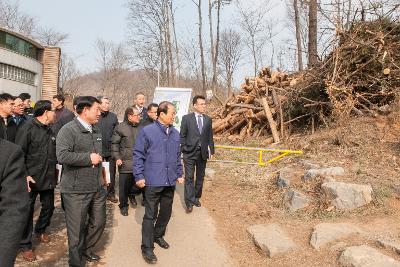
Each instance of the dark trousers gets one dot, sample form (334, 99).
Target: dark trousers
(85, 216)
(111, 186)
(194, 189)
(127, 188)
(155, 221)
(46, 212)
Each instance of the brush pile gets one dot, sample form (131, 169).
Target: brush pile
(361, 76)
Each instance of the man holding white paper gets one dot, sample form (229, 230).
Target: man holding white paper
(83, 190)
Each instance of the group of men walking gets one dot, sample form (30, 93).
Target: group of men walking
(145, 147)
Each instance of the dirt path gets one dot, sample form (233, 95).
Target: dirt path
(191, 236)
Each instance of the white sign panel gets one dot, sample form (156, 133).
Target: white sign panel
(180, 97)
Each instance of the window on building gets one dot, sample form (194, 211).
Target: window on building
(17, 74)
(18, 45)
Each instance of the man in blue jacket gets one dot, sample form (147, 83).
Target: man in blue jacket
(156, 168)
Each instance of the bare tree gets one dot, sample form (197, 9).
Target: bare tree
(230, 54)
(13, 18)
(151, 25)
(49, 36)
(214, 47)
(253, 23)
(200, 23)
(312, 33)
(68, 72)
(298, 35)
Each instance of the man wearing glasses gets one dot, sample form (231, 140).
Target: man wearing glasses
(151, 115)
(38, 143)
(122, 143)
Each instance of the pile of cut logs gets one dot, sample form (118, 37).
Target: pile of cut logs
(256, 110)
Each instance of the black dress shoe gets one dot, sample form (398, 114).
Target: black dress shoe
(133, 201)
(112, 198)
(124, 211)
(161, 242)
(149, 256)
(197, 203)
(189, 209)
(92, 257)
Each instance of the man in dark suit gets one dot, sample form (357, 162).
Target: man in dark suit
(140, 100)
(7, 124)
(63, 115)
(197, 146)
(107, 123)
(38, 142)
(14, 201)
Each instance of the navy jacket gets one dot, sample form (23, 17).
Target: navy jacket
(157, 155)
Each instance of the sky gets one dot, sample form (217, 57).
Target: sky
(87, 20)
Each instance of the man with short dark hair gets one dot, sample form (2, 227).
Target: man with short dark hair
(123, 141)
(140, 100)
(197, 146)
(39, 145)
(7, 124)
(156, 168)
(107, 123)
(83, 191)
(26, 98)
(151, 115)
(63, 115)
(14, 201)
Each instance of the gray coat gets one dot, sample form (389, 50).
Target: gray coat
(107, 123)
(14, 201)
(74, 145)
(123, 141)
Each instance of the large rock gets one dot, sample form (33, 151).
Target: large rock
(309, 165)
(333, 171)
(209, 174)
(271, 239)
(348, 196)
(284, 177)
(364, 256)
(325, 233)
(391, 244)
(296, 200)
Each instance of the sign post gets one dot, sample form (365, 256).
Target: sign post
(179, 97)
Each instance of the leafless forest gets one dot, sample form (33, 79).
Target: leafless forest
(227, 36)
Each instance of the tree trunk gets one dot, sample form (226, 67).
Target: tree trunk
(167, 62)
(169, 47)
(253, 51)
(210, 4)
(229, 83)
(271, 121)
(161, 48)
(215, 74)
(203, 70)
(298, 35)
(178, 62)
(312, 33)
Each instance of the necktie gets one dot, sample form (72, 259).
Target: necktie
(200, 123)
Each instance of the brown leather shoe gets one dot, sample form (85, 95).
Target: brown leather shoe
(112, 198)
(28, 255)
(43, 237)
